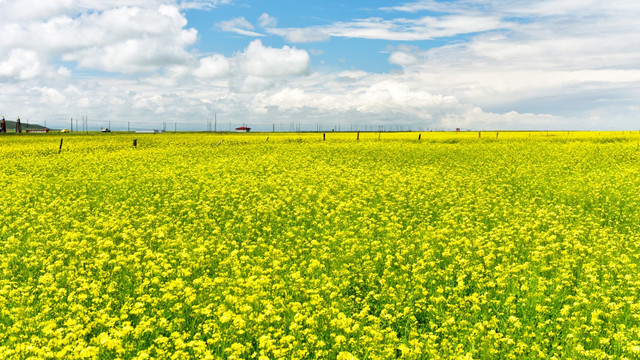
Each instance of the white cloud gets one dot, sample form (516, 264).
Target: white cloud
(522, 64)
(424, 5)
(134, 40)
(400, 29)
(311, 34)
(249, 69)
(518, 8)
(260, 60)
(64, 71)
(51, 96)
(373, 97)
(214, 66)
(20, 64)
(239, 26)
(403, 58)
(475, 118)
(202, 4)
(267, 21)
(30, 10)
(121, 39)
(352, 75)
(25, 10)
(251, 84)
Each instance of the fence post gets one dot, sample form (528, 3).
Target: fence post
(60, 149)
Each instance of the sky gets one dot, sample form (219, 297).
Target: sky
(309, 65)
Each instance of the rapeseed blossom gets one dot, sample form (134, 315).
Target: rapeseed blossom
(451, 247)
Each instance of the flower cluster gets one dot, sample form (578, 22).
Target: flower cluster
(522, 245)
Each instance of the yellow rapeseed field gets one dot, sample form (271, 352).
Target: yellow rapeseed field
(271, 246)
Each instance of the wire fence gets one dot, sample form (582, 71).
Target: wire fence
(212, 125)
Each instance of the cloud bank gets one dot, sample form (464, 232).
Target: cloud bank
(511, 65)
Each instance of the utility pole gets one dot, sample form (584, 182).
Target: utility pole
(71, 124)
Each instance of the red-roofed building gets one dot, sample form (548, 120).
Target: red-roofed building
(243, 129)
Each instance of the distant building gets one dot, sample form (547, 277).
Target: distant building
(243, 129)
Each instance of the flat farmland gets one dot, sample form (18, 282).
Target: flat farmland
(505, 245)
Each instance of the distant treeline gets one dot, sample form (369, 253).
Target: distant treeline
(11, 126)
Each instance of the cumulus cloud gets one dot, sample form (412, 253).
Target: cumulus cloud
(20, 64)
(521, 64)
(372, 100)
(540, 57)
(30, 10)
(51, 96)
(260, 60)
(121, 39)
(251, 84)
(365, 94)
(477, 119)
(403, 58)
(245, 67)
(16, 11)
(214, 66)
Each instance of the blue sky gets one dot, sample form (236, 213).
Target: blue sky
(424, 64)
(331, 54)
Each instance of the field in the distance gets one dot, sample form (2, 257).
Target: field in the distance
(207, 246)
